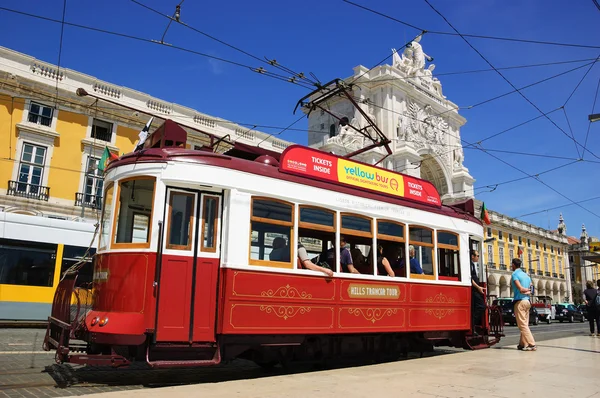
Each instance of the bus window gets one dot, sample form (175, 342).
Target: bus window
(73, 255)
(106, 216)
(448, 256)
(316, 232)
(271, 233)
(390, 235)
(27, 263)
(358, 232)
(134, 211)
(421, 239)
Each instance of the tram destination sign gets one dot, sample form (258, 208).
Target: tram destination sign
(309, 162)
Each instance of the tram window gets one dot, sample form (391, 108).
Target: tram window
(75, 254)
(271, 232)
(210, 215)
(358, 232)
(181, 207)
(27, 263)
(134, 211)
(448, 256)
(422, 240)
(390, 235)
(106, 216)
(319, 217)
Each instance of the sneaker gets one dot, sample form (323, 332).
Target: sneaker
(520, 347)
(593, 334)
(530, 348)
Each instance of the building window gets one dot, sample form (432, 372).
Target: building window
(560, 266)
(322, 126)
(511, 254)
(102, 130)
(553, 266)
(529, 266)
(558, 250)
(539, 266)
(510, 237)
(501, 255)
(40, 114)
(545, 263)
(490, 254)
(528, 242)
(92, 194)
(537, 244)
(520, 240)
(544, 247)
(31, 168)
(551, 249)
(489, 232)
(499, 235)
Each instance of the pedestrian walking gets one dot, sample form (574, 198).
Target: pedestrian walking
(521, 283)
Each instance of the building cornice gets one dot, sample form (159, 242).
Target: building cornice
(21, 67)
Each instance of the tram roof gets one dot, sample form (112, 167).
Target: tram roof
(301, 165)
(153, 155)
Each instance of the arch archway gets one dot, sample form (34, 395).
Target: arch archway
(493, 288)
(504, 286)
(541, 288)
(432, 171)
(548, 288)
(555, 292)
(563, 292)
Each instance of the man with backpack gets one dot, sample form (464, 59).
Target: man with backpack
(592, 301)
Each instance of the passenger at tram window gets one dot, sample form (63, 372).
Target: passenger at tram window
(345, 257)
(415, 267)
(305, 262)
(383, 265)
(281, 251)
(359, 261)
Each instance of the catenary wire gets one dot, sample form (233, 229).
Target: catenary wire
(503, 77)
(473, 35)
(276, 65)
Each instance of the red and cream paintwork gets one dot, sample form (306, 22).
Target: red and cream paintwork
(200, 294)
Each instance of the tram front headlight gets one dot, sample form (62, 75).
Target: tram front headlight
(95, 321)
(104, 321)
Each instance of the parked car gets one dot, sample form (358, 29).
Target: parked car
(508, 315)
(583, 308)
(568, 312)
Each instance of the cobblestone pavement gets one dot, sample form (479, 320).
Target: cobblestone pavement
(28, 371)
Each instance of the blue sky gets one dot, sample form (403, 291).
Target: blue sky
(331, 37)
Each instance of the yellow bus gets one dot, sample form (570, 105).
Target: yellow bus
(34, 253)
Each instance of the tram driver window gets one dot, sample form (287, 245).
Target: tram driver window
(134, 211)
(271, 233)
(421, 239)
(448, 256)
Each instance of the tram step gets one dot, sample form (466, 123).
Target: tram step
(180, 362)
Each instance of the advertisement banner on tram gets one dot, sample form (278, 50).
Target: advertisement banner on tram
(324, 166)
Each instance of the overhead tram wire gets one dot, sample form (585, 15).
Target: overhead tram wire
(550, 43)
(590, 122)
(504, 77)
(558, 207)
(282, 130)
(259, 70)
(263, 60)
(60, 46)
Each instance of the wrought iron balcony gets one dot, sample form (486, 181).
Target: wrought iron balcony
(562, 276)
(503, 267)
(29, 191)
(87, 200)
(547, 273)
(554, 275)
(492, 265)
(540, 273)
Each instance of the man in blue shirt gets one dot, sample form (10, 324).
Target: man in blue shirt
(520, 283)
(415, 267)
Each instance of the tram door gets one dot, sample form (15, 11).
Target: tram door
(189, 267)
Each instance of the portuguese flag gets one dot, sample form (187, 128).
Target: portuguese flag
(107, 156)
(485, 217)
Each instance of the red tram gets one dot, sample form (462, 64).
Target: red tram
(197, 251)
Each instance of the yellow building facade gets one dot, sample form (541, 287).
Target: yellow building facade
(543, 253)
(51, 139)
